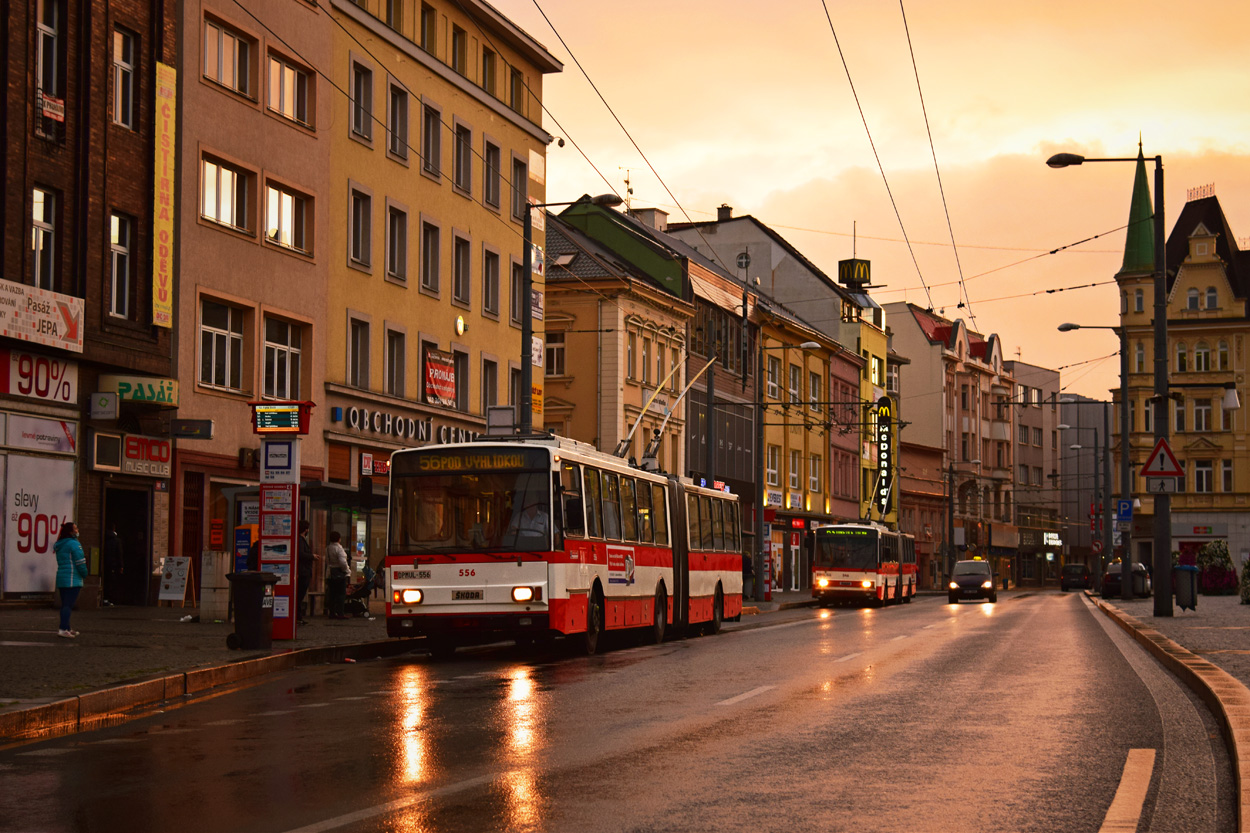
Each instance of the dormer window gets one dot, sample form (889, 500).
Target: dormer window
(1213, 298)
(1191, 299)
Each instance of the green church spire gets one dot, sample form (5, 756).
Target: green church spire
(1139, 244)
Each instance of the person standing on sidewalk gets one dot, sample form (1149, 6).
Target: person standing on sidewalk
(304, 558)
(336, 581)
(71, 570)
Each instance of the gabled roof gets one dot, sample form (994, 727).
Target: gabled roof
(1207, 212)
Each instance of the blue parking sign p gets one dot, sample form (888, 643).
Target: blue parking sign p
(1124, 510)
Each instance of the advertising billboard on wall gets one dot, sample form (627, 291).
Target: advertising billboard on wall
(440, 378)
(38, 499)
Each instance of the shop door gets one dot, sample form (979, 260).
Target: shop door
(129, 512)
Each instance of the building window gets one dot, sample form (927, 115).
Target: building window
(397, 123)
(1024, 435)
(459, 50)
(1148, 417)
(1182, 357)
(1191, 299)
(796, 383)
(796, 469)
(429, 31)
(674, 370)
(490, 282)
(221, 346)
(429, 257)
(362, 241)
(1202, 415)
(492, 158)
(431, 141)
(1139, 358)
(773, 462)
(288, 90)
(646, 361)
(1222, 356)
(1202, 357)
(225, 195)
(288, 218)
(1203, 476)
(490, 384)
(1180, 417)
(1226, 475)
(1213, 298)
(1022, 475)
(488, 71)
(283, 342)
(877, 375)
(395, 363)
(1037, 437)
(124, 57)
(813, 474)
(358, 353)
(120, 232)
(43, 238)
(520, 189)
(464, 158)
(516, 91)
(394, 14)
(1139, 301)
(518, 277)
(397, 243)
(462, 276)
(227, 58)
(362, 101)
(774, 378)
(631, 348)
(460, 361)
(659, 366)
(47, 48)
(555, 354)
(1037, 475)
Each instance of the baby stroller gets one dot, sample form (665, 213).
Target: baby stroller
(358, 594)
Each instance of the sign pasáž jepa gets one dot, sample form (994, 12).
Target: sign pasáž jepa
(40, 316)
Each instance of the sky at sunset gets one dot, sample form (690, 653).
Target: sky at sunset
(748, 103)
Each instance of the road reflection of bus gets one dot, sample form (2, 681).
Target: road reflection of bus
(863, 562)
(531, 539)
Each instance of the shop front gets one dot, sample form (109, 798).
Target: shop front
(1039, 557)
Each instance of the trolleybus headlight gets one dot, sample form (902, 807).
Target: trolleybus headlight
(527, 594)
(822, 582)
(866, 583)
(411, 596)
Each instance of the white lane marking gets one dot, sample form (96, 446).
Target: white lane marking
(784, 625)
(393, 806)
(904, 636)
(849, 656)
(273, 713)
(227, 722)
(311, 705)
(744, 696)
(111, 741)
(1125, 810)
(47, 753)
(340, 699)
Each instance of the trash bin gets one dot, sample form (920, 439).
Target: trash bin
(253, 609)
(1139, 583)
(1185, 586)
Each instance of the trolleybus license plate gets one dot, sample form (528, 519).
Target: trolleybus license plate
(411, 574)
(466, 595)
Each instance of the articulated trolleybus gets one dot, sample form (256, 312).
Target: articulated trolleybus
(530, 539)
(862, 562)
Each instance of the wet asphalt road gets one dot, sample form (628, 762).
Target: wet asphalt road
(1015, 716)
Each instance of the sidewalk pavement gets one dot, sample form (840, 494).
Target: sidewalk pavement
(132, 657)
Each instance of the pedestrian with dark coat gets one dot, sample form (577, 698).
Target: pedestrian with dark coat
(304, 560)
(71, 571)
(114, 567)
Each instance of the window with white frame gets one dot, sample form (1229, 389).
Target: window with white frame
(774, 377)
(395, 362)
(431, 140)
(659, 365)
(227, 57)
(397, 122)
(772, 464)
(1221, 355)
(1022, 474)
(1179, 423)
(646, 361)
(1191, 299)
(43, 238)
(1213, 298)
(1037, 437)
(813, 474)
(1202, 415)
(429, 256)
(796, 468)
(1226, 475)
(289, 213)
(221, 345)
(1024, 435)
(1139, 358)
(283, 350)
(555, 353)
(1202, 357)
(1203, 476)
(490, 282)
(396, 243)
(288, 90)
(462, 275)
(361, 239)
(631, 350)
(1182, 357)
(358, 353)
(225, 199)
(463, 172)
(362, 101)
(49, 19)
(121, 229)
(796, 383)
(1139, 301)
(125, 57)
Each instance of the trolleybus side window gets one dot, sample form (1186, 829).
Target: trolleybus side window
(594, 524)
(629, 515)
(692, 520)
(659, 514)
(574, 518)
(644, 512)
(611, 501)
(718, 524)
(708, 537)
(736, 526)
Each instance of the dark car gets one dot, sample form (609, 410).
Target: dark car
(1111, 581)
(971, 580)
(1074, 576)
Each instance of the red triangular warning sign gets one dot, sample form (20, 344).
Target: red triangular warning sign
(1162, 462)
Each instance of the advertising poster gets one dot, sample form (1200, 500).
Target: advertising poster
(38, 498)
(440, 378)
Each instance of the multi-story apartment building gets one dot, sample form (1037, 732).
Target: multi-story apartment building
(1084, 476)
(1038, 460)
(1207, 319)
(86, 329)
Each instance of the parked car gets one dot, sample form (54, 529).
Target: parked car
(1074, 576)
(1111, 581)
(971, 580)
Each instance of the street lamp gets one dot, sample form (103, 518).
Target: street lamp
(526, 403)
(1126, 486)
(1163, 501)
(950, 514)
(761, 467)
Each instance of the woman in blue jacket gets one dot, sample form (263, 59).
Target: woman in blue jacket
(71, 569)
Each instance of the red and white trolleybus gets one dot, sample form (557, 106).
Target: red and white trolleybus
(530, 538)
(862, 562)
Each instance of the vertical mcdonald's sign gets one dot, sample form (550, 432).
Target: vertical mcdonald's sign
(885, 455)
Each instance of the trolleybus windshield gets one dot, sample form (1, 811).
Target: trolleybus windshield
(452, 504)
(847, 549)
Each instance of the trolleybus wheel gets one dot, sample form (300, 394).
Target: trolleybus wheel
(659, 616)
(718, 613)
(594, 621)
(911, 593)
